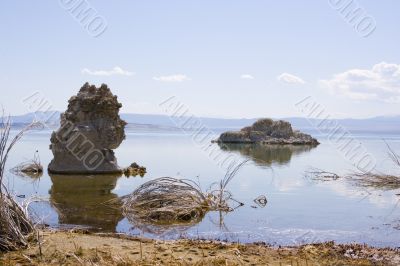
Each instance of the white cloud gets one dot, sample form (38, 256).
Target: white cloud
(115, 71)
(381, 82)
(172, 78)
(289, 78)
(246, 76)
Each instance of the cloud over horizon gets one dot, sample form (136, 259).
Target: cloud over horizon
(381, 82)
(172, 78)
(246, 76)
(290, 79)
(114, 71)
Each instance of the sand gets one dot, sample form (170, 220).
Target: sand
(83, 248)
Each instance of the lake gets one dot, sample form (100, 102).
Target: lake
(299, 210)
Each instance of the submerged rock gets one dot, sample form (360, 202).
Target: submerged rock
(89, 131)
(268, 131)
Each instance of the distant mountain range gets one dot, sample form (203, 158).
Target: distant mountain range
(163, 122)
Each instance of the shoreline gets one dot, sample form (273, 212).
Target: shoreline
(79, 247)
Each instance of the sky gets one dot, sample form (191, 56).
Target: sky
(228, 59)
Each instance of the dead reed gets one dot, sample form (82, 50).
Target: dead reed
(168, 201)
(164, 200)
(376, 180)
(31, 168)
(15, 227)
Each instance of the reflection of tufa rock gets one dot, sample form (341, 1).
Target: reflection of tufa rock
(266, 154)
(267, 131)
(89, 131)
(80, 201)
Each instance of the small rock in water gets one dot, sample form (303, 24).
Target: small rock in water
(261, 201)
(134, 170)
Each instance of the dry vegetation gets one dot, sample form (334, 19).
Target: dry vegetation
(15, 227)
(31, 168)
(171, 201)
(367, 180)
(375, 180)
(165, 200)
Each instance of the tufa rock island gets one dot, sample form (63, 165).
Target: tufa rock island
(90, 129)
(268, 131)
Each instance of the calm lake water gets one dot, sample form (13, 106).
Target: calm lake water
(298, 211)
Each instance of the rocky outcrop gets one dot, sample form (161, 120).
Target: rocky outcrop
(89, 131)
(267, 131)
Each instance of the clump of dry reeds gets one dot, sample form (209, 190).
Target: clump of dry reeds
(14, 223)
(164, 200)
(168, 201)
(375, 180)
(370, 179)
(32, 168)
(367, 180)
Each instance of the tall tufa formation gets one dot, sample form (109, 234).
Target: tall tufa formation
(89, 131)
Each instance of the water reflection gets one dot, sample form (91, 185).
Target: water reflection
(80, 200)
(162, 229)
(266, 155)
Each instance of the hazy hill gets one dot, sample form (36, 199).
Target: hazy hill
(148, 121)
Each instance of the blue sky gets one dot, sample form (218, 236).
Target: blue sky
(220, 58)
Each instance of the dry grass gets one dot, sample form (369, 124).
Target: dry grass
(15, 226)
(164, 200)
(32, 168)
(367, 180)
(375, 180)
(172, 201)
(221, 197)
